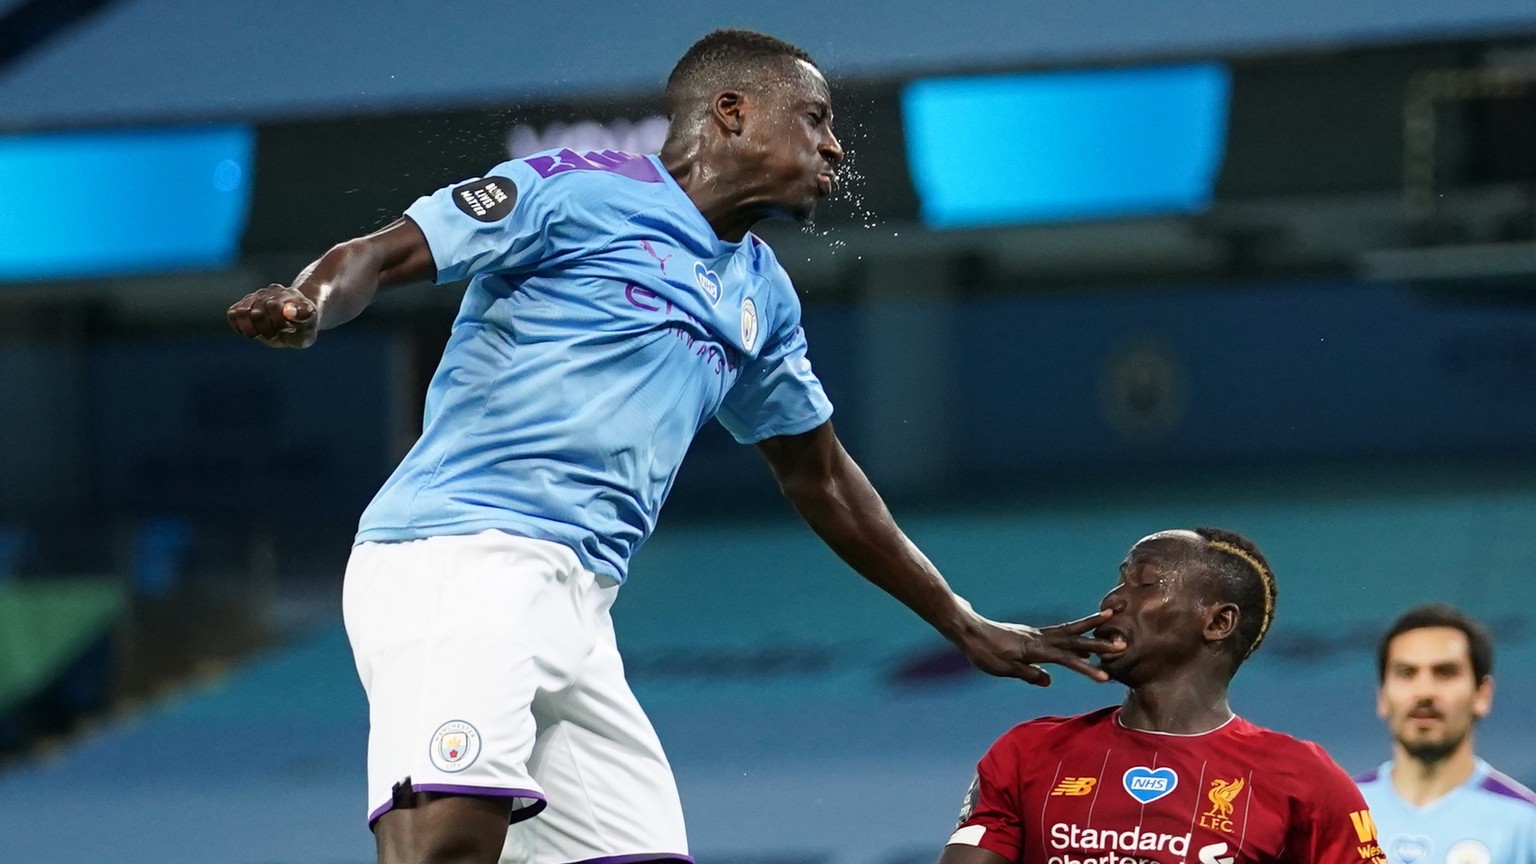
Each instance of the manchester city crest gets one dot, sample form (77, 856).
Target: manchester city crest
(455, 746)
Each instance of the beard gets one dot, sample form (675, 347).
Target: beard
(1431, 752)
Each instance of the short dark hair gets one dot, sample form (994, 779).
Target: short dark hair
(1241, 575)
(726, 58)
(1479, 643)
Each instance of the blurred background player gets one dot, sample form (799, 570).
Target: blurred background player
(1172, 774)
(579, 370)
(1435, 801)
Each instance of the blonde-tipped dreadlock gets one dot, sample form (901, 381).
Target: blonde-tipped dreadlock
(1242, 549)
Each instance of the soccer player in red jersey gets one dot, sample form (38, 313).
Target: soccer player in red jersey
(1171, 775)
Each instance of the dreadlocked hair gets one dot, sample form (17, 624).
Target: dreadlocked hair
(1243, 577)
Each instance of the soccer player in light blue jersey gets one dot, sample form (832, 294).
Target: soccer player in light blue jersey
(617, 303)
(1435, 802)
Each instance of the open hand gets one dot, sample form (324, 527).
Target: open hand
(1013, 650)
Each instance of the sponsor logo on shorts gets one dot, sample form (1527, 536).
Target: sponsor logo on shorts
(1075, 787)
(455, 746)
(1116, 847)
(1147, 785)
(489, 199)
(1222, 795)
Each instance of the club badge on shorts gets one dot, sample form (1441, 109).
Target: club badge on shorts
(455, 746)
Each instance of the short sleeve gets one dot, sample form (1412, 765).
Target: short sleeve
(990, 818)
(778, 393)
(1335, 825)
(500, 222)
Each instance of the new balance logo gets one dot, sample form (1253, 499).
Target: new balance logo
(1075, 787)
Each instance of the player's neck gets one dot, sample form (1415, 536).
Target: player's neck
(1180, 707)
(1420, 782)
(715, 199)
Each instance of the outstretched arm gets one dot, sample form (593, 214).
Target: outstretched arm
(834, 497)
(335, 288)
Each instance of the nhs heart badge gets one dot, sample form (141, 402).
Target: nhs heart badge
(1147, 785)
(708, 282)
(1409, 848)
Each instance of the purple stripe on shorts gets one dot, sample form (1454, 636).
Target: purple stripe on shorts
(518, 815)
(638, 858)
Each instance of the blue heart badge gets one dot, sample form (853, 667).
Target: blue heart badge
(708, 282)
(1147, 785)
(1409, 848)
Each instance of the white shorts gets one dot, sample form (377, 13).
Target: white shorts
(491, 669)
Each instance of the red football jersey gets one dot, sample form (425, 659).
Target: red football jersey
(1087, 790)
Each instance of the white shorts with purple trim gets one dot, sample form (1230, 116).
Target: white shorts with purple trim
(491, 669)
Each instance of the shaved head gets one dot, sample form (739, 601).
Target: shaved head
(742, 60)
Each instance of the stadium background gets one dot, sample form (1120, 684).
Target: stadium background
(1269, 269)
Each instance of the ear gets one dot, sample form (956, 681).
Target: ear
(726, 110)
(1381, 700)
(1482, 699)
(1221, 622)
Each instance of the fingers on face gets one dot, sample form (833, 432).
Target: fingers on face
(1083, 667)
(1035, 675)
(1084, 624)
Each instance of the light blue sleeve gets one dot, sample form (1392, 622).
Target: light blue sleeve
(504, 221)
(777, 394)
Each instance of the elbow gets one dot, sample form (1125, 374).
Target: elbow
(809, 491)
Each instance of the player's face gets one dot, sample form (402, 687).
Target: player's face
(792, 155)
(1429, 697)
(1154, 610)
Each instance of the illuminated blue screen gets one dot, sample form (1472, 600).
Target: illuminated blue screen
(122, 201)
(1066, 145)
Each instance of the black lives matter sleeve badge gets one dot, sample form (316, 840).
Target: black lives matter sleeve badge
(488, 199)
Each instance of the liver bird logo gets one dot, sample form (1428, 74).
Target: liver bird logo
(1221, 796)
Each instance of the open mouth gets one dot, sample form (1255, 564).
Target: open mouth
(1111, 634)
(826, 183)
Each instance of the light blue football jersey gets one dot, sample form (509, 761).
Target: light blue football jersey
(605, 324)
(1490, 819)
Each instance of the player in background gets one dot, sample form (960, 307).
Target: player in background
(617, 303)
(1172, 775)
(1435, 801)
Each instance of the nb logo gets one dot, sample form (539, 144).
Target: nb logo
(1075, 787)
